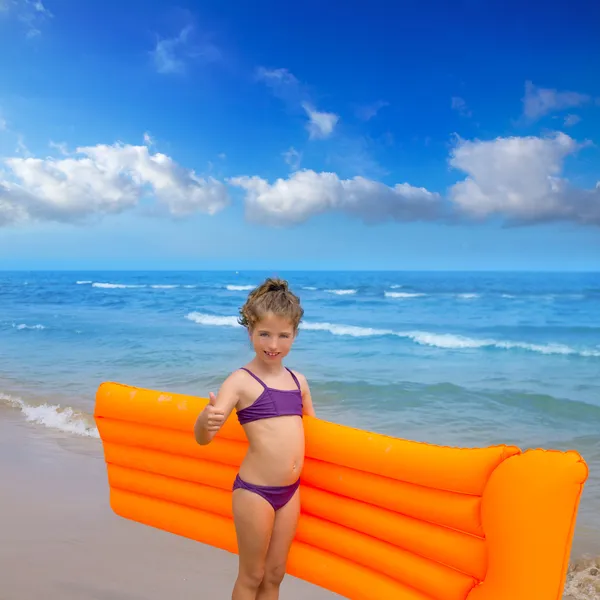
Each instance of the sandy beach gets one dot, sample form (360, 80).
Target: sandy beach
(61, 541)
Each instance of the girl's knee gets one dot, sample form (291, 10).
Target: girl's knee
(274, 574)
(252, 578)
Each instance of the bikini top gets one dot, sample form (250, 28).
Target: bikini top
(272, 402)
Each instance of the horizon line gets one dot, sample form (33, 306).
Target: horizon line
(296, 270)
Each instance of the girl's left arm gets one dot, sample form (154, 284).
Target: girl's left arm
(307, 403)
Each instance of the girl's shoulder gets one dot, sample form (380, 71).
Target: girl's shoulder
(236, 377)
(301, 378)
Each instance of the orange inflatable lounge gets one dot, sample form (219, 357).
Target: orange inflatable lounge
(382, 518)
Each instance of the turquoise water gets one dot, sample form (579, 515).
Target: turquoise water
(464, 359)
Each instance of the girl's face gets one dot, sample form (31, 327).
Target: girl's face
(272, 338)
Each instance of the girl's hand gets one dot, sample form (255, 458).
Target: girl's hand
(216, 412)
(213, 417)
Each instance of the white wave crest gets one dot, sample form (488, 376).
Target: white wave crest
(116, 286)
(309, 287)
(468, 296)
(342, 292)
(25, 326)
(443, 340)
(203, 319)
(352, 330)
(447, 341)
(163, 287)
(82, 282)
(451, 341)
(53, 416)
(396, 286)
(403, 294)
(239, 288)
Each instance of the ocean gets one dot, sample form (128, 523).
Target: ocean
(452, 358)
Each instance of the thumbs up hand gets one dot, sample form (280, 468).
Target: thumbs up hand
(213, 417)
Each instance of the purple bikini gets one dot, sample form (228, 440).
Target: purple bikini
(271, 403)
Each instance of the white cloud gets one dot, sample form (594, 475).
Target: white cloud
(321, 124)
(520, 179)
(170, 55)
(539, 101)
(102, 180)
(286, 86)
(3, 124)
(307, 193)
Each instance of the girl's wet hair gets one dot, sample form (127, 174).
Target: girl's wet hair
(273, 296)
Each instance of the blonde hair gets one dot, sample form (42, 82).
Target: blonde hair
(272, 296)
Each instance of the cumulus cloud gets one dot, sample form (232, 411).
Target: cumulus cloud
(306, 193)
(520, 179)
(517, 179)
(102, 179)
(538, 101)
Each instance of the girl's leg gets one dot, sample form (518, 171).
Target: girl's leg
(253, 517)
(284, 530)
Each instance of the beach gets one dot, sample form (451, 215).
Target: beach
(61, 541)
(462, 360)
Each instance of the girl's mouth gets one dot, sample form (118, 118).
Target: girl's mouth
(271, 354)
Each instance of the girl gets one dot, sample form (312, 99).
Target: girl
(270, 400)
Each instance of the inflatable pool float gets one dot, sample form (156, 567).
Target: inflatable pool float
(382, 518)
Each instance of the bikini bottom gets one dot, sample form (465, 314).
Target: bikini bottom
(276, 496)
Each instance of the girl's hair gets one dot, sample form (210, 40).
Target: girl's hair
(272, 296)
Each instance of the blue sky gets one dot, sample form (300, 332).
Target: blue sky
(415, 135)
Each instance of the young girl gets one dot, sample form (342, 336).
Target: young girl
(270, 400)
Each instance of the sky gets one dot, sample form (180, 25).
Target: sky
(267, 135)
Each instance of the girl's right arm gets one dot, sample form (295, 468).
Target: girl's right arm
(218, 409)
